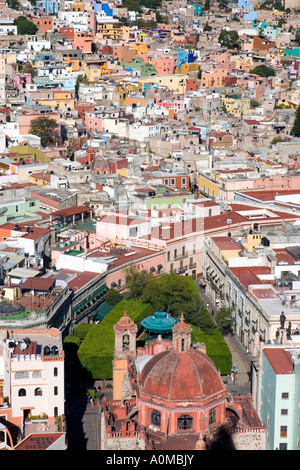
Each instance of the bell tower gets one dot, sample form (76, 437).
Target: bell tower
(182, 336)
(125, 346)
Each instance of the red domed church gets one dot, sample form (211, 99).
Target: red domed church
(169, 395)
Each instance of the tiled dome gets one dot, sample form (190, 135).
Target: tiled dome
(188, 375)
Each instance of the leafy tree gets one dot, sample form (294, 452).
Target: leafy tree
(132, 5)
(14, 4)
(46, 128)
(169, 293)
(25, 26)
(297, 36)
(224, 319)
(263, 71)
(207, 27)
(28, 68)
(229, 39)
(113, 297)
(207, 5)
(136, 281)
(80, 79)
(296, 126)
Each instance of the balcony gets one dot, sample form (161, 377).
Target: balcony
(192, 266)
(182, 269)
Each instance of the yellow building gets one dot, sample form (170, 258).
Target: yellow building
(186, 68)
(175, 82)
(252, 240)
(95, 70)
(236, 107)
(61, 100)
(208, 183)
(110, 28)
(78, 6)
(26, 151)
(40, 179)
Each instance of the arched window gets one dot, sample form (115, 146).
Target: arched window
(22, 392)
(184, 422)
(125, 342)
(22, 374)
(55, 390)
(38, 392)
(212, 416)
(55, 412)
(55, 371)
(155, 418)
(182, 344)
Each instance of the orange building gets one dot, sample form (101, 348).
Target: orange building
(169, 395)
(83, 41)
(68, 32)
(44, 23)
(213, 78)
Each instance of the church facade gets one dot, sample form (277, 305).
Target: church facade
(168, 395)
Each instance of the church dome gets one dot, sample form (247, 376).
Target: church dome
(188, 375)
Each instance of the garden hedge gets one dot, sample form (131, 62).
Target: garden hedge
(96, 350)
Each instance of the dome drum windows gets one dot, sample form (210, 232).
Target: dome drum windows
(184, 422)
(155, 418)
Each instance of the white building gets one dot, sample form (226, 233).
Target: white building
(32, 364)
(143, 131)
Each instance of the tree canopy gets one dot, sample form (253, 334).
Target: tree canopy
(296, 126)
(263, 71)
(45, 128)
(25, 26)
(229, 39)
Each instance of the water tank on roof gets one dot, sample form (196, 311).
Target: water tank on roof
(265, 241)
(47, 351)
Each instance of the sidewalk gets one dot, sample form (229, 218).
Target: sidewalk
(240, 359)
(239, 356)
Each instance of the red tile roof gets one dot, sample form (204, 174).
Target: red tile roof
(280, 360)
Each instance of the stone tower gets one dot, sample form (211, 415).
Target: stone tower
(125, 347)
(182, 336)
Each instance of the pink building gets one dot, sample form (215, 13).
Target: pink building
(21, 79)
(94, 121)
(24, 118)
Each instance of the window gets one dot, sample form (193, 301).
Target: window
(24, 374)
(175, 254)
(283, 446)
(283, 431)
(22, 392)
(55, 371)
(184, 422)
(284, 395)
(55, 390)
(36, 374)
(38, 392)
(212, 416)
(155, 418)
(284, 412)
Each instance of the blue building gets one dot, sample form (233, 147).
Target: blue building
(184, 57)
(103, 7)
(48, 6)
(276, 393)
(250, 14)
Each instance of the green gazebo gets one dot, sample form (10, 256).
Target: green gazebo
(159, 323)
